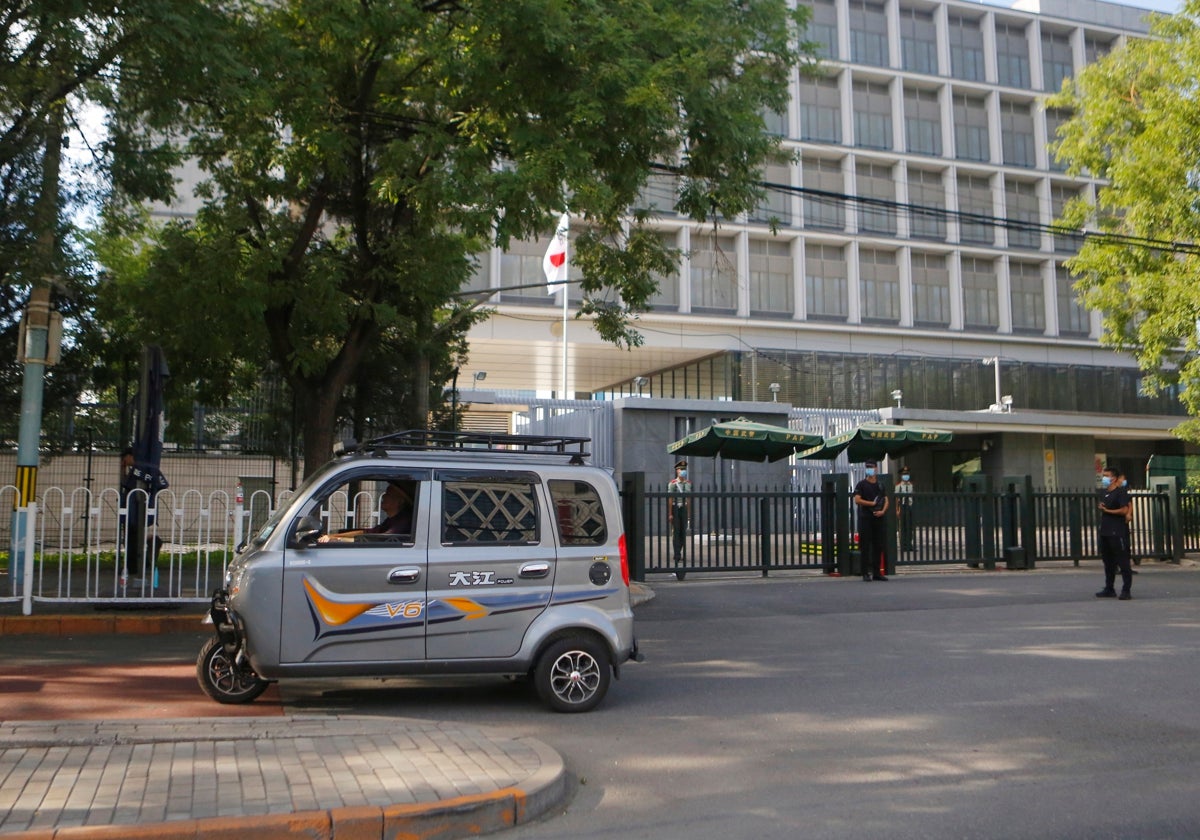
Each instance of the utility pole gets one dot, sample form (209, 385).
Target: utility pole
(40, 336)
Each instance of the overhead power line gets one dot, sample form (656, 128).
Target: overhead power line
(967, 218)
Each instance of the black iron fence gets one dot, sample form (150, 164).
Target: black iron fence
(760, 530)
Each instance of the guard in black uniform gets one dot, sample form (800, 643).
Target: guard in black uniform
(872, 503)
(1114, 535)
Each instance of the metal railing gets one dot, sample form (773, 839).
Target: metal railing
(776, 529)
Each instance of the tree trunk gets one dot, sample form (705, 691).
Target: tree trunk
(318, 407)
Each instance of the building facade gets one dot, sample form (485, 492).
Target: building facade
(913, 239)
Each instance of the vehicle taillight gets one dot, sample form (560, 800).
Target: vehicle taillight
(624, 559)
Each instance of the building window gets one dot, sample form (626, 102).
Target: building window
(1060, 195)
(1016, 129)
(918, 41)
(820, 110)
(1058, 62)
(931, 290)
(872, 115)
(822, 28)
(966, 48)
(981, 309)
(1021, 211)
(770, 277)
(868, 33)
(922, 122)
(1027, 296)
(971, 128)
(879, 285)
(825, 285)
(1055, 118)
(521, 266)
(875, 181)
(926, 190)
(777, 203)
(1073, 318)
(975, 209)
(714, 274)
(1095, 47)
(1012, 55)
(824, 211)
(658, 194)
(775, 122)
(667, 294)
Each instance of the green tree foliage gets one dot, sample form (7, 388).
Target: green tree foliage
(1135, 124)
(356, 154)
(60, 63)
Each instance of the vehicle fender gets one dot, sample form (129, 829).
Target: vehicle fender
(616, 629)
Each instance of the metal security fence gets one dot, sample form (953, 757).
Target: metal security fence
(760, 530)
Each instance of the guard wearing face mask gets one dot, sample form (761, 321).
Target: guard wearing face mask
(1114, 535)
(679, 505)
(871, 502)
(904, 508)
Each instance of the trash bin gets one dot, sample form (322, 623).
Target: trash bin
(1014, 557)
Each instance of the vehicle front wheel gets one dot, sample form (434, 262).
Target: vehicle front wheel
(223, 679)
(573, 674)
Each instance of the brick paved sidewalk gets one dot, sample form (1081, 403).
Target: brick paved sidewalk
(358, 777)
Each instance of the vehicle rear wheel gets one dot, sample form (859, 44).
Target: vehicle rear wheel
(223, 679)
(573, 674)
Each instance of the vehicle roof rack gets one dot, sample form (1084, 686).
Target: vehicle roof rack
(411, 440)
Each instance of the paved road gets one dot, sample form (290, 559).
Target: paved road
(976, 705)
(972, 705)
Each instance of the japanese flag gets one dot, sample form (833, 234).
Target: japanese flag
(554, 264)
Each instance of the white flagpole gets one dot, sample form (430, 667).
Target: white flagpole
(564, 332)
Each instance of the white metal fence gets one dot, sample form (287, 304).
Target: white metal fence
(79, 545)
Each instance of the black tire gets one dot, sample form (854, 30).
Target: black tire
(224, 680)
(573, 674)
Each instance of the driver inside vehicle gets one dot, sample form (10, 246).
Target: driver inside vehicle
(397, 506)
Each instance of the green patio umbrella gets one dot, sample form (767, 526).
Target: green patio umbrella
(744, 440)
(875, 440)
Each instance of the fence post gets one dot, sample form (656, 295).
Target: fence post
(979, 521)
(764, 527)
(1020, 529)
(31, 524)
(633, 498)
(835, 523)
(1075, 527)
(1172, 528)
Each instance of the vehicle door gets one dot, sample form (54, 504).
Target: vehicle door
(350, 596)
(491, 562)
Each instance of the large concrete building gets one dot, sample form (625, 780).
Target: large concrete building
(913, 244)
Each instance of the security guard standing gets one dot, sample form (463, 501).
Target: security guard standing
(679, 505)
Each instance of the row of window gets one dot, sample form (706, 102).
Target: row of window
(939, 284)
(850, 381)
(942, 122)
(836, 194)
(1029, 53)
(503, 509)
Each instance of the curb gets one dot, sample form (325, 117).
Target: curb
(448, 819)
(78, 625)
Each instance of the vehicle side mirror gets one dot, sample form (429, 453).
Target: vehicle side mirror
(306, 532)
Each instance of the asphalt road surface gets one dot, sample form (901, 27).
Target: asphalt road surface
(970, 705)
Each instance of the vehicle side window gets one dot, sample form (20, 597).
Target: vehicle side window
(578, 512)
(480, 512)
(367, 510)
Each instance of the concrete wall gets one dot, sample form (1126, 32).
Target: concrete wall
(644, 427)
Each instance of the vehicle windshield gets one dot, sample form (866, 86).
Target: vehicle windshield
(268, 528)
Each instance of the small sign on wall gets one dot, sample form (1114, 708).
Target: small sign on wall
(1049, 470)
